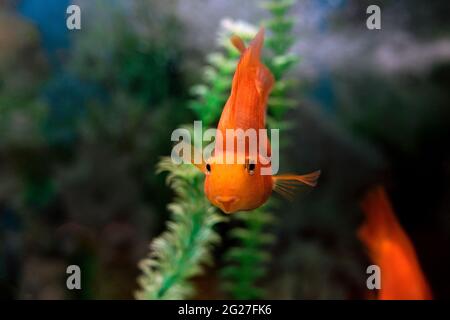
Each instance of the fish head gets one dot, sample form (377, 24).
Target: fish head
(236, 185)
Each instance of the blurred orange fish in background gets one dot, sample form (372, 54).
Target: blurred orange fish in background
(391, 249)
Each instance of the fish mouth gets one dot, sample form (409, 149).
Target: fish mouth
(226, 203)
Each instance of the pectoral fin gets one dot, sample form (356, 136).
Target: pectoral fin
(287, 184)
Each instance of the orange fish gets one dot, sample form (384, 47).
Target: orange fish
(391, 249)
(242, 186)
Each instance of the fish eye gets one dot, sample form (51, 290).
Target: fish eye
(208, 168)
(250, 168)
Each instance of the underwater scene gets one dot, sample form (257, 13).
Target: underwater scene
(224, 150)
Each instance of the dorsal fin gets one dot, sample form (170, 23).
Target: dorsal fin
(251, 72)
(252, 82)
(251, 58)
(238, 43)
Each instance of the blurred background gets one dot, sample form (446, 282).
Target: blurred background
(86, 114)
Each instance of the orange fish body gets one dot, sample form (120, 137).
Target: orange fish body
(236, 186)
(390, 248)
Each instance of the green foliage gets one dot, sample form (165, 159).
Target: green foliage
(279, 41)
(246, 262)
(180, 252)
(135, 56)
(20, 123)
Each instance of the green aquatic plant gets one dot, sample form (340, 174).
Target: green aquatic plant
(246, 262)
(279, 41)
(181, 252)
